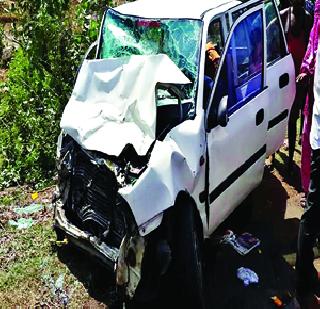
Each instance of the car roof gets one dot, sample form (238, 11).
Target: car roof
(191, 9)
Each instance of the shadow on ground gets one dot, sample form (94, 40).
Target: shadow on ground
(290, 176)
(262, 214)
(98, 281)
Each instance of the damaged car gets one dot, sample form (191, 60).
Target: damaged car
(167, 131)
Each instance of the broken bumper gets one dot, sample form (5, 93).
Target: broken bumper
(106, 254)
(128, 274)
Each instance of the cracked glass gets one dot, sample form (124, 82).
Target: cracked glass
(179, 39)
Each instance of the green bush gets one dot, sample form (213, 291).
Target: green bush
(1, 43)
(53, 35)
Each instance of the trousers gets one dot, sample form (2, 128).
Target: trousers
(309, 231)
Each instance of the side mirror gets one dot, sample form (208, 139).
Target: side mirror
(222, 114)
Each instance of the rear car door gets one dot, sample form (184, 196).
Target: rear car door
(236, 150)
(280, 75)
(280, 78)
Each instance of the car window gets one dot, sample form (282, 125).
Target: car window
(245, 61)
(241, 75)
(275, 42)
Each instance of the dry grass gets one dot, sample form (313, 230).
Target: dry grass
(32, 271)
(3, 73)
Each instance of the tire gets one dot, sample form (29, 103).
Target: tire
(187, 257)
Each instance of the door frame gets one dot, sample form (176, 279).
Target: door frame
(205, 195)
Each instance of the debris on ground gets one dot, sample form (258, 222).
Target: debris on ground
(247, 276)
(243, 243)
(34, 195)
(28, 210)
(59, 243)
(18, 202)
(57, 288)
(285, 300)
(22, 223)
(277, 301)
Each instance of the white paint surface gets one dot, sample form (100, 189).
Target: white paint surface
(171, 8)
(113, 102)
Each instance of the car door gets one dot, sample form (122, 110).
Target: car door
(280, 79)
(280, 76)
(236, 147)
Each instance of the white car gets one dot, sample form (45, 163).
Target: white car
(161, 140)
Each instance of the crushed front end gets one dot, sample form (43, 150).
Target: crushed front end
(91, 213)
(119, 170)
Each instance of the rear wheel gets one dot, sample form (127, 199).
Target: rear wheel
(187, 256)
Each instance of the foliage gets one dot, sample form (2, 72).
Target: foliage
(1, 43)
(53, 36)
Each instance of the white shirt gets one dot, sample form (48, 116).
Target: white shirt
(315, 127)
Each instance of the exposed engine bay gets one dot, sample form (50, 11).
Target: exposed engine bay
(89, 181)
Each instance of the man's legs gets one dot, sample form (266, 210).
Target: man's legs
(308, 232)
(296, 109)
(292, 131)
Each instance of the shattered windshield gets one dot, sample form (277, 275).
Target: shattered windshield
(179, 39)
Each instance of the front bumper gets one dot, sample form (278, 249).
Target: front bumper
(128, 273)
(106, 254)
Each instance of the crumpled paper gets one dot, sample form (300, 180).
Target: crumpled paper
(247, 276)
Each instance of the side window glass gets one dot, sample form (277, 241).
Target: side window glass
(245, 61)
(275, 43)
(241, 75)
(213, 48)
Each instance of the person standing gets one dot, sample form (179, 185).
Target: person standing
(297, 23)
(309, 228)
(306, 76)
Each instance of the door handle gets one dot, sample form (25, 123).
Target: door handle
(284, 80)
(260, 116)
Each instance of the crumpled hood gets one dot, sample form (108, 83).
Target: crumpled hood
(113, 102)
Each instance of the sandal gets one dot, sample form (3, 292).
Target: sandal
(303, 200)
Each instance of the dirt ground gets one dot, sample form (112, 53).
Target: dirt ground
(2, 74)
(272, 214)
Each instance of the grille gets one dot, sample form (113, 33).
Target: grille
(93, 195)
(93, 203)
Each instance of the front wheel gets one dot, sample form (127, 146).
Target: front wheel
(187, 256)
